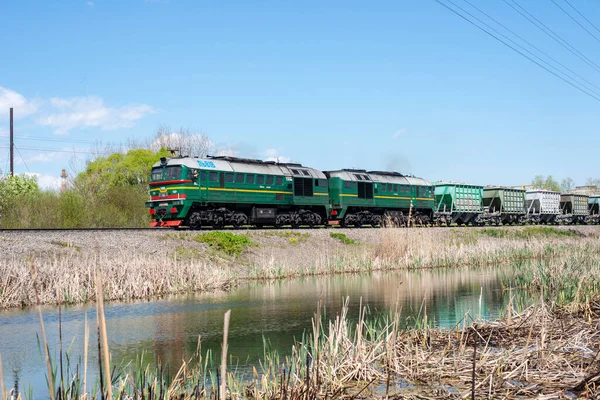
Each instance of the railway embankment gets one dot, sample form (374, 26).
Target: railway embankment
(63, 265)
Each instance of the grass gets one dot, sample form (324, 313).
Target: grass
(342, 238)
(530, 232)
(228, 243)
(65, 244)
(127, 276)
(547, 350)
(135, 274)
(292, 237)
(186, 253)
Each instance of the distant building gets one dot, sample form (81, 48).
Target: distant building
(587, 190)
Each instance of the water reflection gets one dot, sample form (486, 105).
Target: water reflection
(281, 311)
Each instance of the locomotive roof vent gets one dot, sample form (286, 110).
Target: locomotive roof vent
(251, 161)
(354, 170)
(389, 173)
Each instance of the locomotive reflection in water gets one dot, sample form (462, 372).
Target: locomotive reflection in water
(229, 191)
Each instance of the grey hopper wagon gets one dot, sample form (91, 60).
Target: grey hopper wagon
(503, 205)
(543, 206)
(573, 207)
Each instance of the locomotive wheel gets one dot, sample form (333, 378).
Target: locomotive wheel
(195, 220)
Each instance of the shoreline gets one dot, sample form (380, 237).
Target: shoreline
(133, 265)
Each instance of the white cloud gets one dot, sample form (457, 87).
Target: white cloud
(21, 105)
(77, 112)
(399, 133)
(64, 114)
(46, 182)
(228, 152)
(47, 156)
(273, 155)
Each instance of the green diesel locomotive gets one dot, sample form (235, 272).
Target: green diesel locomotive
(219, 191)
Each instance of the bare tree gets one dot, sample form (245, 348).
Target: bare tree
(567, 184)
(186, 141)
(592, 182)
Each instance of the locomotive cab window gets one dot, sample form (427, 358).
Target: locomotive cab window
(173, 172)
(213, 176)
(157, 173)
(382, 187)
(348, 185)
(203, 176)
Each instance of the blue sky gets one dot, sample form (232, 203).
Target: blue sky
(403, 85)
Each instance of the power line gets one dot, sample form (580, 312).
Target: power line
(62, 151)
(577, 22)
(18, 151)
(553, 35)
(52, 139)
(582, 16)
(532, 45)
(519, 52)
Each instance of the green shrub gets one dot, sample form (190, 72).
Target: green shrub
(343, 238)
(226, 242)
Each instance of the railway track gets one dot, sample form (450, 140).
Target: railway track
(252, 228)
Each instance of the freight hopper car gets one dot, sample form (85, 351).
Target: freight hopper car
(359, 198)
(219, 191)
(458, 203)
(503, 205)
(543, 206)
(593, 210)
(574, 208)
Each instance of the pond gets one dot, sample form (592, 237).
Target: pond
(168, 329)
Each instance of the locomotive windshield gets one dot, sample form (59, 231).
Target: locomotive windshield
(157, 173)
(171, 172)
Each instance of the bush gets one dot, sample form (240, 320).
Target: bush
(343, 238)
(226, 242)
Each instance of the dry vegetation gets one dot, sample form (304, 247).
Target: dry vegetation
(215, 260)
(70, 279)
(549, 350)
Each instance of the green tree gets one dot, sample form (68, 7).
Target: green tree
(14, 190)
(118, 170)
(548, 183)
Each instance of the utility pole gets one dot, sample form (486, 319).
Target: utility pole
(12, 145)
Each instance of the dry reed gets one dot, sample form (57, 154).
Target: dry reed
(134, 276)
